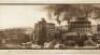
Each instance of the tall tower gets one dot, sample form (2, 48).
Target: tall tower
(40, 32)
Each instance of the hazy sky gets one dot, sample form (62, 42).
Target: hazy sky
(20, 16)
(52, 1)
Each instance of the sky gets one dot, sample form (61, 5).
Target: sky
(51, 1)
(20, 16)
(12, 16)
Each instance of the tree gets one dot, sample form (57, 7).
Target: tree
(57, 10)
(73, 10)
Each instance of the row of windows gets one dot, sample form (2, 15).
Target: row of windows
(80, 29)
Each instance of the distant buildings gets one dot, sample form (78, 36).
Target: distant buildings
(79, 31)
(15, 35)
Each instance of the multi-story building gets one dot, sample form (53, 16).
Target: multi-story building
(80, 25)
(78, 31)
(50, 28)
(40, 32)
(98, 31)
(98, 28)
(44, 31)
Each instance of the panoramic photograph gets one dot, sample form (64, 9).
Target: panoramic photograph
(50, 26)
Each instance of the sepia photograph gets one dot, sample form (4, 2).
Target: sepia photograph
(50, 26)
